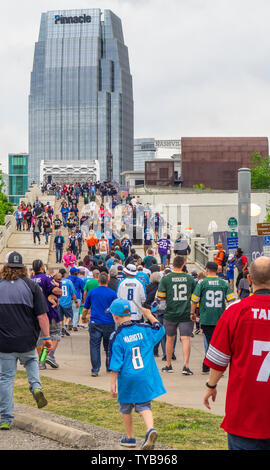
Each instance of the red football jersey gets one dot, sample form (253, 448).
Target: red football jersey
(242, 339)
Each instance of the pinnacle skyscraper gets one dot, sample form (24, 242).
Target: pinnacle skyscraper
(81, 93)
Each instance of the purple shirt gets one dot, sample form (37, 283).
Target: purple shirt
(163, 246)
(45, 283)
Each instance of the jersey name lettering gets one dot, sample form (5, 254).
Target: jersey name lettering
(131, 338)
(263, 315)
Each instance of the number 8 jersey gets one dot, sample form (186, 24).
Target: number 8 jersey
(212, 293)
(131, 355)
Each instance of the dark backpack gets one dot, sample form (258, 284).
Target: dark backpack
(225, 259)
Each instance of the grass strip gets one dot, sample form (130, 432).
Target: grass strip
(181, 428)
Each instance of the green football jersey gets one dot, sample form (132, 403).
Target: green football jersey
(176, 289)
(211, 294)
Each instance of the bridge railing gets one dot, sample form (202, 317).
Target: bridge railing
(201, 253)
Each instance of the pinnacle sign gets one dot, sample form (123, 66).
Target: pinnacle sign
(59, 19)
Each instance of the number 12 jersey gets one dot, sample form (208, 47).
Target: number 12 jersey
(176, 289)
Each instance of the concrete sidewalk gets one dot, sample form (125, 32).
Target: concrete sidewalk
(185, 391)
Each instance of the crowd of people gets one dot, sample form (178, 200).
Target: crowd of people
(136, 304)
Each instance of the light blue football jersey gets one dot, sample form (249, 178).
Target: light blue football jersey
(131, 355)
(68, 291)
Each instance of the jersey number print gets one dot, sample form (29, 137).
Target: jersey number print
(258, 348)
(180, 292)
(130, 294)
(214, 298)
(137, 359)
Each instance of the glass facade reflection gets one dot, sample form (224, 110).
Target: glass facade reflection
(81, 96)
(17, 177)
(144, 150)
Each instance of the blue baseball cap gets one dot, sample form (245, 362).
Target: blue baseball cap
(120, 307)
(74, 270)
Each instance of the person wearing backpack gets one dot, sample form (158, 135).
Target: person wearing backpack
(181, 246)
(103, 246)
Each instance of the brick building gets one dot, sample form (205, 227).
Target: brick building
(214, 161)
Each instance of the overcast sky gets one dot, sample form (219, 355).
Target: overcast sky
(200, 67)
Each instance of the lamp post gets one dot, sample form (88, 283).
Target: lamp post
(244, 214)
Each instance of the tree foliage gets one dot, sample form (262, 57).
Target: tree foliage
(5, 205)
(260, 171)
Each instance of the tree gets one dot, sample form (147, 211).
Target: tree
(5, 205)
(201, 187)
(260, 171)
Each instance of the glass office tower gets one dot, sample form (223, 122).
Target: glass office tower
(81, 97)
(17, 176)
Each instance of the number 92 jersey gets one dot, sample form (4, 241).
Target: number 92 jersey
(131, 355)
(212, 293)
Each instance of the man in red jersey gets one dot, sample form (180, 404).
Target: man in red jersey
(242, 339)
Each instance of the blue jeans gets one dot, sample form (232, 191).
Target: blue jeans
(59, 253)
(246, 443)
(8, 368)
(163, 259)
(75, 317)
(98, 332)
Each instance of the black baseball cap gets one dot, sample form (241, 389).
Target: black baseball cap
(62, 271)
(15, 260)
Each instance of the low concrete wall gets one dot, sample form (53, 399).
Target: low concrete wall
(58, 432)
(6, 230)
(197, 209)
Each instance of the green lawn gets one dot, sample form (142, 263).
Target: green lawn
(181, 428)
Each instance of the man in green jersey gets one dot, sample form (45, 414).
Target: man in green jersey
(176, 288)
(211, 293)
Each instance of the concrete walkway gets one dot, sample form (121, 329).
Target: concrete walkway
(185, 391)
(73, 352)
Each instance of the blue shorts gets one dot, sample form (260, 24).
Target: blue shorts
(126, 408)
(64, 312)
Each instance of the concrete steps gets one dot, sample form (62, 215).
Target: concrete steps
(22, 241)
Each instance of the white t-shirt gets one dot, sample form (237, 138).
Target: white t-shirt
(132, 289)
(103, 246)
(147, 271)
(92, 206)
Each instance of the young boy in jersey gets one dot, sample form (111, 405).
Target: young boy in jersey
(133, 369)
